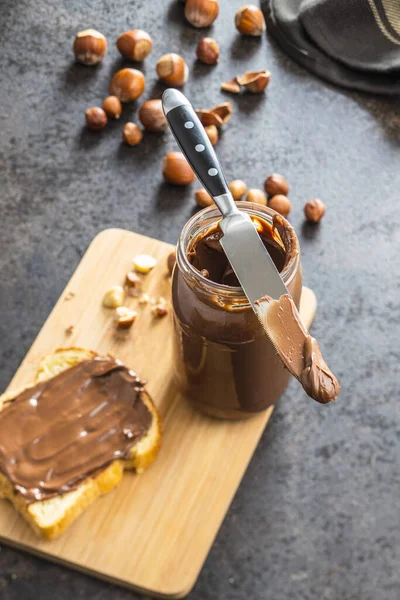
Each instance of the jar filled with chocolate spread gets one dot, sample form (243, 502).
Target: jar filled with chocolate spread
(225, 364)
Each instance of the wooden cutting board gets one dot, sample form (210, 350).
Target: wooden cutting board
(154, 531)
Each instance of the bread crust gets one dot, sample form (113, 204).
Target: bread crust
(51, 517)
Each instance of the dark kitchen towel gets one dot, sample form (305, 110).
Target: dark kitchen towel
(353, 43)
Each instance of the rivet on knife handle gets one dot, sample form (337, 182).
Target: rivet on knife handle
(196, 146)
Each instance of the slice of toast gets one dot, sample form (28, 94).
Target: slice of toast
(50, 517)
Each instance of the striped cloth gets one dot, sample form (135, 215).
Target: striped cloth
(353, 43)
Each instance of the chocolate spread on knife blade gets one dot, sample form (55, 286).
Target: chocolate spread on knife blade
(299, 352)
(72, 426)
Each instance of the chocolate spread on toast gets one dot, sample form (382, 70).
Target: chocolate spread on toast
(70, 427)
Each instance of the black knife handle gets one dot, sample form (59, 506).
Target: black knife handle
(194, 143)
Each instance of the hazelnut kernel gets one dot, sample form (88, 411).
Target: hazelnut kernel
(96, 118)
(238, 189)
(314, 210)
(276, 184)
(176, 169)
(152, 116)
(208, 51)
(144, 299)
(114, 297)
(132, 134)
(112, 107)
(212, 133)
(135, 44)
(171, 260)
(281, 204)
(144, 262)
(257, 196)
(127, 85)
(203, 198)
(132, 280)
(172, 69)
(159, 310)
(125, 317)
(89, 47)
(249, 20)
(201, 13)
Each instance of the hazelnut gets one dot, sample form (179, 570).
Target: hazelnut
(144, 262)
(203, 198)
(212, 133)
(172, 69)
(276, 184)
(152, 116)
(231, 86)
(96, 118)
(134, 45)
(249, 20)
(238, 189)
(255, 81)
(125, 317)
(112, 107)
(257, 196)
(281, 204)
(114, 297)
(132, 280)
(132, 134)
(176, 169)
(171, 260)
(201, 13)
(208, 51)
(314, 210)
(89, 47)
(127, 84)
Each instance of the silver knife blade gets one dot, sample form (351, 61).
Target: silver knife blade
(249, 258)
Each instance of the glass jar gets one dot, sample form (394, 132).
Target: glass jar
(224, 362)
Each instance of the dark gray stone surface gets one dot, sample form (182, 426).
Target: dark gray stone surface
(317, 514)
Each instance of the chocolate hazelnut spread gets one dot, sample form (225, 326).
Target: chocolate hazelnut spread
(224, 361)
(299, 352)
(72, 426)
(206, 254)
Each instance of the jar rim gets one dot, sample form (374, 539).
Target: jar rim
(253, 209)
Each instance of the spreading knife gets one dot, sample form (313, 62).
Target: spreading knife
(250, 260)
(254, 268)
